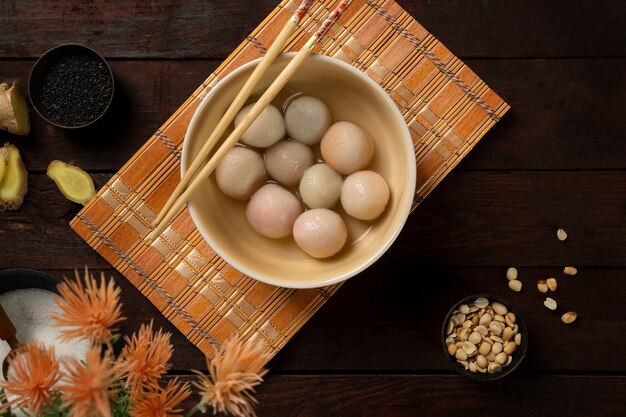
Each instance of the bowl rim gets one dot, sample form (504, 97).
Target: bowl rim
(41, 60)
(13, 279)
(405, 204)
(519, 354)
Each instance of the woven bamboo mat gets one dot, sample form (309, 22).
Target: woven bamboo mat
(447, 107)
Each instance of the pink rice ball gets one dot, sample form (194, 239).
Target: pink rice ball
(272, 211)
(287, 160)
(320, 232)
(347, 148)
(240, 173)
(364, 195)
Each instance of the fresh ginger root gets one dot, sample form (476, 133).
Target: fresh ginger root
(13, 110)
(14, 183)
(74, 183)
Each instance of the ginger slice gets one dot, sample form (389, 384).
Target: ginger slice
(4, 156)
(13, 110)
(74, 183)
(14, 184)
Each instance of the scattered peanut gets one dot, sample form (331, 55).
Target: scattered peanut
(569, 317)
(552, 284)
(570, 270)
(482, 336)
(511, 273)
(542, 286)
(561, 235)
(515, 285)
(550, 303)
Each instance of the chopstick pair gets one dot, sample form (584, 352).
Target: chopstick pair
(194, 175)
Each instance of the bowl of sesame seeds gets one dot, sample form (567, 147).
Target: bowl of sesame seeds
(71, 86)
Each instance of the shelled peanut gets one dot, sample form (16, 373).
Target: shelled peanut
(483, 336)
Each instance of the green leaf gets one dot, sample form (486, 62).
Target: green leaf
(25, 412)
(121, 406)
(8, 413)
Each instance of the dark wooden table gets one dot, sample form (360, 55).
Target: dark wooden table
(558, 159)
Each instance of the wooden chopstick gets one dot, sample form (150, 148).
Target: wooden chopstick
(274, 50)
(264, 100)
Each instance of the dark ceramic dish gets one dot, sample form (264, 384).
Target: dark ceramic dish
(517, 356)
(17, 279)
(71, 86)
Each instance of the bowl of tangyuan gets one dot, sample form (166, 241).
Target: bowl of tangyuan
(317, 188)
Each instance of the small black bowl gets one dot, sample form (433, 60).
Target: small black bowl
(517, 356)
(71, 86)
(19, 279)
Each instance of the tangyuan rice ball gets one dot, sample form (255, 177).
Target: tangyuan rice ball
(320, 232)
(287, 160)
(347, 148)
(266, 130)
(307, 119)
(240, 173)
(364, 195)
(320, 186)
(272, 211)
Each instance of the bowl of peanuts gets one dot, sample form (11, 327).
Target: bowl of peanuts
(484, 337)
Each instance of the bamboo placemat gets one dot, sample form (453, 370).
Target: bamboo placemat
(447, 107)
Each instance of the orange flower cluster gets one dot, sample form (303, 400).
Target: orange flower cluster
(234, 372)
(89, 388)
(88, 311)
(34, 373)
(38, 380)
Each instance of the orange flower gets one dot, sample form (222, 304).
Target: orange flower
(234, 372)
(33, 372)
(90, 386)
(160, 402)
(145, 357)
(89, 311)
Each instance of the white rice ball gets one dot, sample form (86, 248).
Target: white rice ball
(307, 119)
(364, 195)
(347, 148)
(320, 186)
(320, 232)
(266, 130)
(272, 211)
(287, 160)
(240, 173)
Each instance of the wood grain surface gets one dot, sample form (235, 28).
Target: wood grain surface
(557, 159)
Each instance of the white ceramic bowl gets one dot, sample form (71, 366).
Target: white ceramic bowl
(351, 95)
